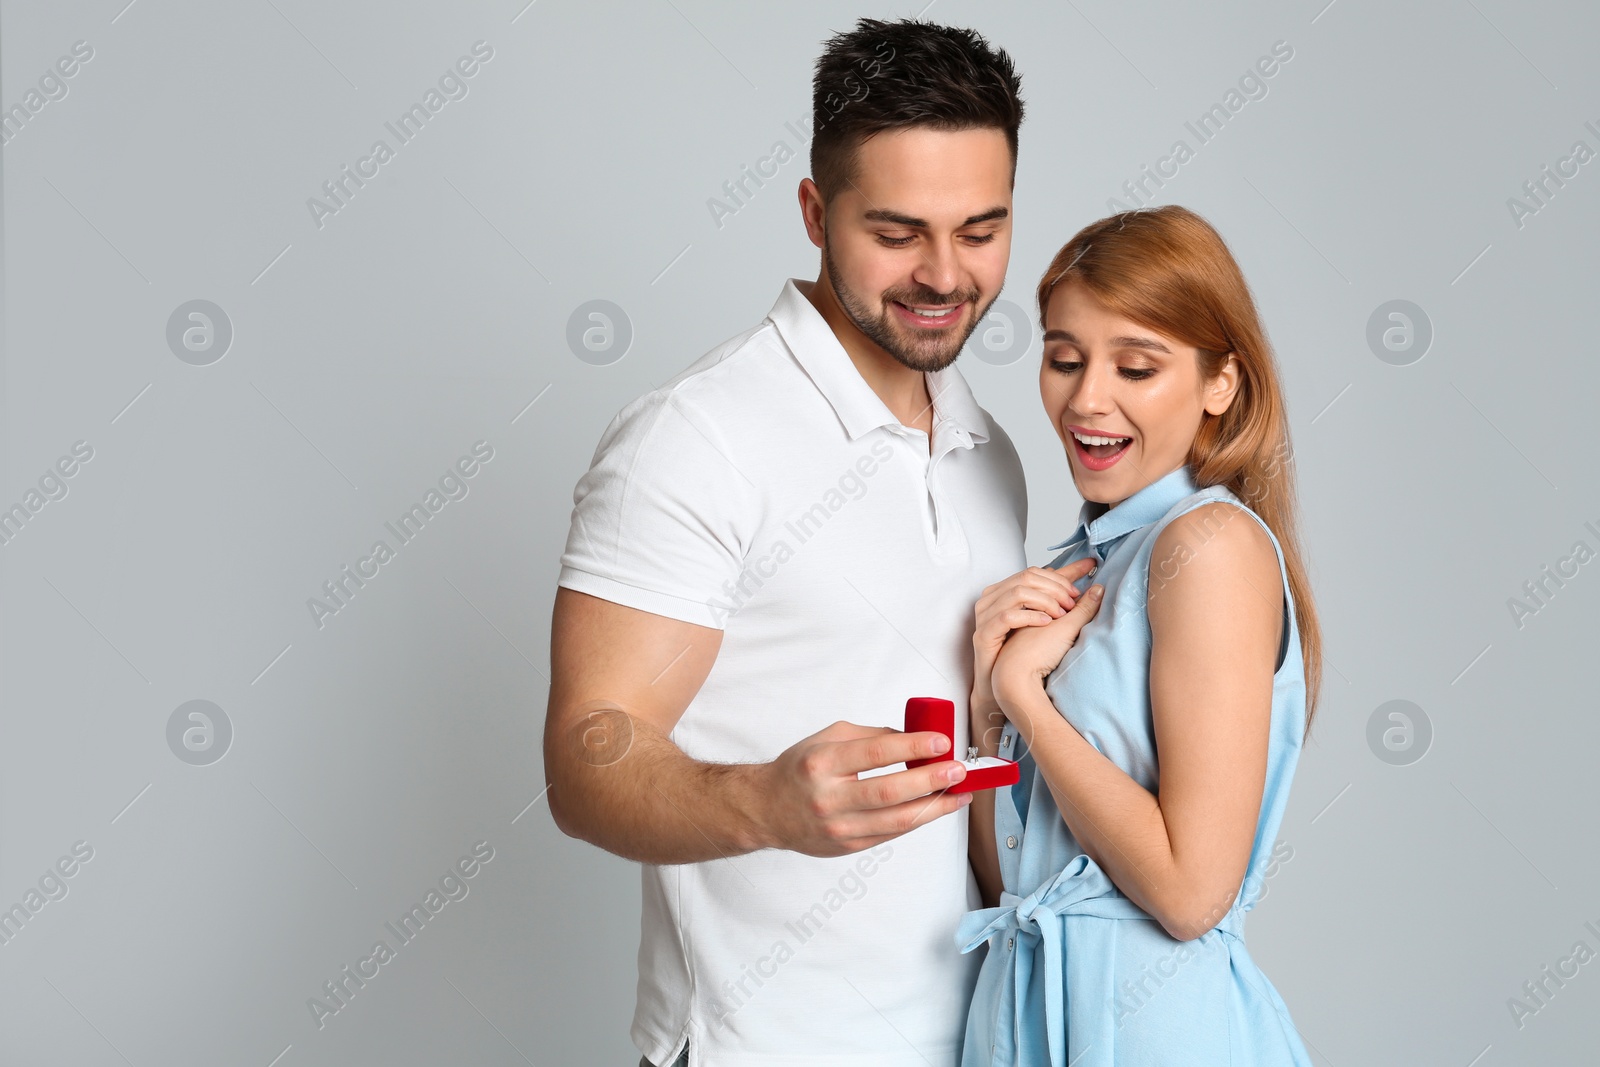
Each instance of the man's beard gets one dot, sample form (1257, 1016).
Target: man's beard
(934, 352)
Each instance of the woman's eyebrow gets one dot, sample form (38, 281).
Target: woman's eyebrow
(1149, 343)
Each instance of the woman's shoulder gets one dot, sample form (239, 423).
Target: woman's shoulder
(1210, 525)
(1213, 507)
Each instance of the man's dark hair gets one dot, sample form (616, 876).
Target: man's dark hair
(894, 75)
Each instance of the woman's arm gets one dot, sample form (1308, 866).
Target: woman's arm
(1215, 626)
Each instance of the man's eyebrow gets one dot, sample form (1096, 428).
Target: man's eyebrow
(880, 215)
(1149, 343)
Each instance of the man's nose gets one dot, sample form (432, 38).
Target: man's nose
(938, 270)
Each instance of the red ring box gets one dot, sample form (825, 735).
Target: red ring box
(939, 715)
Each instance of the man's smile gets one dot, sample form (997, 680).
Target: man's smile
(928, 316)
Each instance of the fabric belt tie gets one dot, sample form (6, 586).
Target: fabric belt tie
(1080, 889)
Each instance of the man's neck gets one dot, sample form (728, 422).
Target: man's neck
(903, 391)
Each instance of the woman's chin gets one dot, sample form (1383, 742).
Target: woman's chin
(1087, 492)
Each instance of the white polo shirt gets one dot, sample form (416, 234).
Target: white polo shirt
(767, 491)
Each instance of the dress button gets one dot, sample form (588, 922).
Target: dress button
(1011, 841)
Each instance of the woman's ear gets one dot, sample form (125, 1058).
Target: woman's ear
(1221, 390)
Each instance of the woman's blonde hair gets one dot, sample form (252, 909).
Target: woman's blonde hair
(1168, 269)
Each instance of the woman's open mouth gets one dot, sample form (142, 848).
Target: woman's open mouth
(1098, 451)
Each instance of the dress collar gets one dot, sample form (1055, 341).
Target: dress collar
(1101, 526)
(824, 359)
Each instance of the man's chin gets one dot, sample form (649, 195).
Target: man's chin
(917, 354)
(922, 352)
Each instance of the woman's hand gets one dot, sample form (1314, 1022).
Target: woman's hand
(1029, 655)
(1033, 597)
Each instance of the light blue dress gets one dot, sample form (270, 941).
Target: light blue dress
(1075, 972)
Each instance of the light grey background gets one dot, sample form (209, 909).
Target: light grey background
(429, 313)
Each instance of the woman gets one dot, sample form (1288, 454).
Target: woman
(1122, 881)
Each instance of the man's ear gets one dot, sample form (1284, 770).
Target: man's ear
(1221, 390)
(813, 211)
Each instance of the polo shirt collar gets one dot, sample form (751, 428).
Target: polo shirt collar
(824, 359)
(1100, 528)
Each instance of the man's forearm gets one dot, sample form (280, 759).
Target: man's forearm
(652, 803)
(982, 850)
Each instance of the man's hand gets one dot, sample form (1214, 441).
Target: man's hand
(620, 681)
(815, 804)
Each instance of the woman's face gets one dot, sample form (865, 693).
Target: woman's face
(1104, 376)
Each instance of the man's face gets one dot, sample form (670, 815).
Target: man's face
(916, 248)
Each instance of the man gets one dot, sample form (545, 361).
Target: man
(768, 555)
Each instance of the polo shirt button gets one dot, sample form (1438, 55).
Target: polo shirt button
(1011, 841)
(1009, 942)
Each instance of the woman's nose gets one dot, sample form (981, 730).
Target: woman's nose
(1090, 391)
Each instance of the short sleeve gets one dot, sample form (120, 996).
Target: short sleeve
(662, 519)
